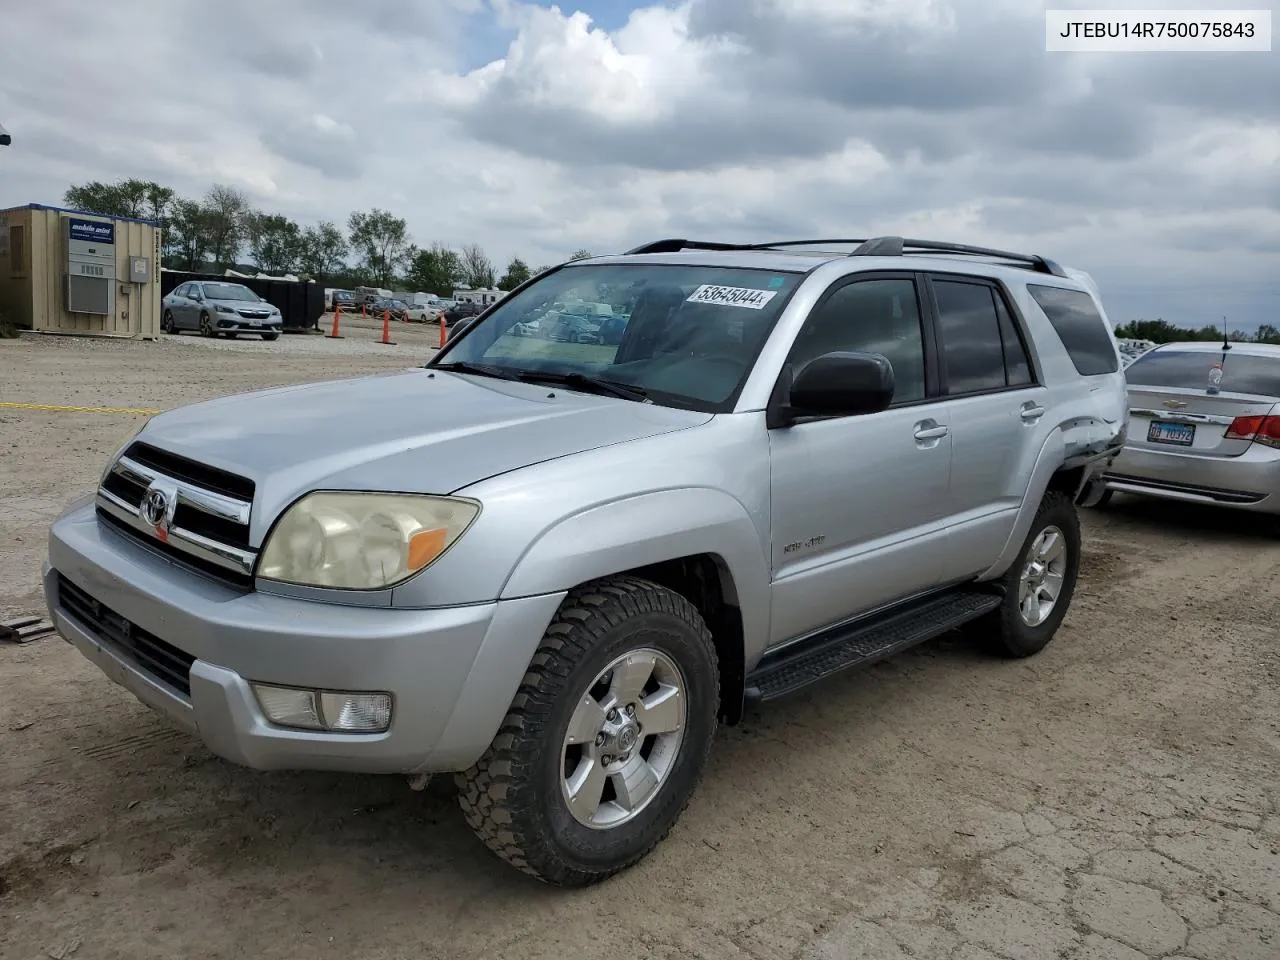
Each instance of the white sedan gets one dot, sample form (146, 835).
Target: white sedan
(423, 312)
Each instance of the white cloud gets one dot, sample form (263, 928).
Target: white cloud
(533, 131)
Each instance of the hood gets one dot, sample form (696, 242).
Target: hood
(416, 431)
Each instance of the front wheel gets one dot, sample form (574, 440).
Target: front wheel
(206, 326)
(606, 738)
(1040, 584)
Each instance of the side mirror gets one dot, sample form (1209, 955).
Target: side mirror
(842, 384)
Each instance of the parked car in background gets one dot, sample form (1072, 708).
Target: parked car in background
(398, 309)
(424, 312)
(1204, 426)
(344, 299)
(218, 308)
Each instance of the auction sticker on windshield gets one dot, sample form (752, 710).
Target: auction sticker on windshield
(732, 296)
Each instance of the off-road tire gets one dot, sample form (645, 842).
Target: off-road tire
(1004, 631)
(511, 798)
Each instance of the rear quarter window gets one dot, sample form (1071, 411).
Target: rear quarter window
(1080, 327)
(1190, 369)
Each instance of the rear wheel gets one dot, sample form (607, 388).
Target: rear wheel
(1041, 582)
(606, 739)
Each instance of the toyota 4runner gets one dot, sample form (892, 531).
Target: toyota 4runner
(552, 567)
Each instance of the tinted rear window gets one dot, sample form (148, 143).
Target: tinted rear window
(1241, 373)
(1080, 327)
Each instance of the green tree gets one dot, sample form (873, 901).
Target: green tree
(436, 269)
(187, 241)
(139, 199)
(477, 268)
(1267, 333)
(517, 273)
(382, 242)
(275, 242)
(226, 211)
(324, 250)
(581, 255)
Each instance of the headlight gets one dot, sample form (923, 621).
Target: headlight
(223, 308)
(362, 541)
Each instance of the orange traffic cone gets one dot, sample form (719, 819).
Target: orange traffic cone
(386, 329)
(333, 333)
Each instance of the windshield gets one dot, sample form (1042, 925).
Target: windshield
(229, 291)
(1191, 369)
(685, 335)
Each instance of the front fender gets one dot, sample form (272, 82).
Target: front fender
(651, 528)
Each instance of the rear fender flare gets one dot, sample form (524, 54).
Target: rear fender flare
(1052, 456)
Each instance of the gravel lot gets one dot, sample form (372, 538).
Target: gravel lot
(1114, 798)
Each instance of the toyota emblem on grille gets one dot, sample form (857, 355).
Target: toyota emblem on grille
(157, 510)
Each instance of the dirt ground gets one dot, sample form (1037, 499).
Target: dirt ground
(1115, 797)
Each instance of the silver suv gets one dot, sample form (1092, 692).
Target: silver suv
(552, 567)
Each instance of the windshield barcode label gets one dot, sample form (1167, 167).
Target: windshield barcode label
(732, 296)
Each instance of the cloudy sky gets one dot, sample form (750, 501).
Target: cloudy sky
(535, 129)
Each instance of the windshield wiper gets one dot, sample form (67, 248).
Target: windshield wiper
(480, 369)
(586, 382)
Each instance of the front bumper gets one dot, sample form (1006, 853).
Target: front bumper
(1250, 481)
(224, 321)
(451, 671)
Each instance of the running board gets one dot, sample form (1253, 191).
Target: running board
(862, 643)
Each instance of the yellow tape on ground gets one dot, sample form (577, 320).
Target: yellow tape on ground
(59, 408)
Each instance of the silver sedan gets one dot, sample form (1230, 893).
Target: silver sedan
(1204, 426)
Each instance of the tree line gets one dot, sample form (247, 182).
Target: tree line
(212, 233)
(1161, 331)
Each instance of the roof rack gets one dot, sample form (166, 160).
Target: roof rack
(898, 246)
(675, 246)
(874, 247)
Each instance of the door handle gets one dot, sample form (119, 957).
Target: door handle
(1031, 411)
(935, 432)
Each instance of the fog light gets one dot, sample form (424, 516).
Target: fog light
(289, 706)
(341, 712)
(356, 712)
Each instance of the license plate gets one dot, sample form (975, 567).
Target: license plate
(1179, 434)
(255, 323)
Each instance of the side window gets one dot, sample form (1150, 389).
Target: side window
(1080, 327)
(183, 290)
(873, 316)
(1017, 365)
(969, 329)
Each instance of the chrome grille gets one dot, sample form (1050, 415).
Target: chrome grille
(208, 518)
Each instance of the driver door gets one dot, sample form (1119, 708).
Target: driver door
(859, 504)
